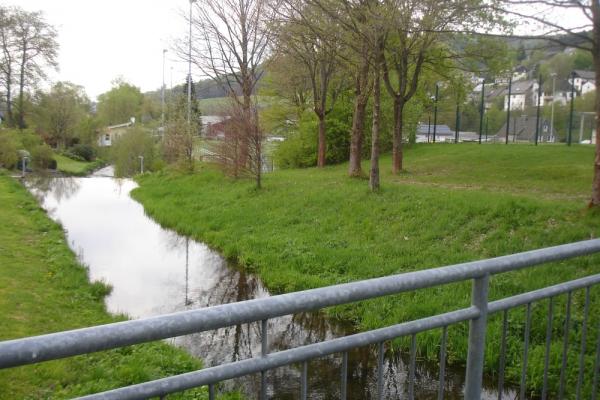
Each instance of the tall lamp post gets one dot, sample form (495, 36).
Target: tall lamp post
(162, 93)
(189, 79)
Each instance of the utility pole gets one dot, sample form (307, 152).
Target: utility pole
(189, 79)
(437, 90)
(481, 110)
(572, 105)
(162, 94)
(537, 117)
(508, 107)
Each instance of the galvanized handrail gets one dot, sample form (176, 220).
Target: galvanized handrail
(87, 340)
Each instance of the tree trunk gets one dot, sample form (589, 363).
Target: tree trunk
(9, 109)
(21, 90)
(356, 139)
(374, 174)
(397, 150)
(322, 142)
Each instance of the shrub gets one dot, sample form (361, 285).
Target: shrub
(300, 148)
(8, 152)
(127, 149)
(43, 157)
(85, 151)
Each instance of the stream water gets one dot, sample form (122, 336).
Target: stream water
(154, 271)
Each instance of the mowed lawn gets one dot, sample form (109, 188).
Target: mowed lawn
(44, 289)
(74, 167)
(454, 203)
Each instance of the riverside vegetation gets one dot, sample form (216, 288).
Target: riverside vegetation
(315, 227)
(44, 289)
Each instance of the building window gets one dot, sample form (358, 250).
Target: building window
(107, 137)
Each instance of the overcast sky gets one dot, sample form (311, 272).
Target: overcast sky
(101, 40)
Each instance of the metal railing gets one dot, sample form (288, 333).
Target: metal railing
(70, 343)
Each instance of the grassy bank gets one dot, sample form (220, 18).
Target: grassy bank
(74, 167)
(311, 228)
(44, 289)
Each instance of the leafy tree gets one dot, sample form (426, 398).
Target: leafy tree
(309, 37)
(61, 111)
(120, 103)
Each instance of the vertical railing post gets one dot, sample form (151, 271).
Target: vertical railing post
(264, 350)
(477, 329)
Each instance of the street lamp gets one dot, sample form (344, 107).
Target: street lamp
(141, 164)
(162, 93)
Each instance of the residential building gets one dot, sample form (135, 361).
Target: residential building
(523, 94)
(584, 81)
(111, 133)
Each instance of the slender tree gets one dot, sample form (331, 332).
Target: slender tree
(36, 49)
(230, 43)
(7, 58)
(307, 36)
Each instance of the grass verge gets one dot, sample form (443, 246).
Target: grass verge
(76, 168)
(312, 228)
(44, 289)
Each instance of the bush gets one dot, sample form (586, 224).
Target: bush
(300, 148)
(8, 152)
(127, 149)
(85, 151)
(43, 157)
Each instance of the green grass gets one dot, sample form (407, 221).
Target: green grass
(74, 167)
(312, 228)
(44, 289)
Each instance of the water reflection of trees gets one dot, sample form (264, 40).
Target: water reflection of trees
(60, 188)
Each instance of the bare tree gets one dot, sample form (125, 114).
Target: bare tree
(310, 37)
(8, 44)
(230, 43)
(36, 49)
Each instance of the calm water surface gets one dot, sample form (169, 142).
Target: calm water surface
(155, 271)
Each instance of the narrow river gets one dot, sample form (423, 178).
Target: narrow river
(155, 271)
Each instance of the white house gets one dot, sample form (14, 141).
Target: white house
(523, 94)
(584, 81)
(112, 132)
(519, 74)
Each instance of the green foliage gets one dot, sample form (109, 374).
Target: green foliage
(120, 103)
(127, 149)
(85, 151)
(8, 152)
(60, 112)
(44, 289)
(43, 157)
(70, 166)
(299, 150)
(455, 203)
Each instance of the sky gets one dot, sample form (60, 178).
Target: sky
(102, 40)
